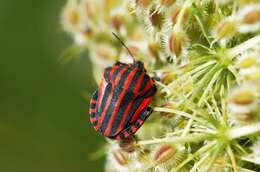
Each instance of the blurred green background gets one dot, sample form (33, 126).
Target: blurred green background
(44, 123)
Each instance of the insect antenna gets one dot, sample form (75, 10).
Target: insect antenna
(123, 44)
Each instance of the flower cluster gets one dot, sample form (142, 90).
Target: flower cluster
(206, 54)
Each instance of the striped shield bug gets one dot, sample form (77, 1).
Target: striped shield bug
(120, 106)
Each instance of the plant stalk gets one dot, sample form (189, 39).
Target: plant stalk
(176, 140)
(238, 132)
(244, 46)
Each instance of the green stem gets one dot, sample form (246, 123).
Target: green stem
(216, 108)
(213, 80)
(234, 8)
(181, 113)
(199, 152)
(177, 140)
(241, 169)
(217, 150)
(205, 80)
(202, 28)
(204, 114)
(232, 158)
(244, 46)
(192, 72)
(233, 70)
(188, 126)
(238, 132)
(199, 163)
(200, 73)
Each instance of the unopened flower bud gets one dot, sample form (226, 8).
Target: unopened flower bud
(128, 145)
(242, 96)
(117, 22)
(133, 50)
(245, 117)
(168, 77)
(106, 52)
(72, 16)
(88, 32)
(109, 4)
(252, 17)
(89, 8)
(219, 165)
(176, 43)
(164, 153)
(156, 19)
(167, 2)
(167, 105)
(225, 29)
(143, 156)
(254, 77)
(120, 157)
(154, 49)
(246, 2)
(137, 34)
(143, 3)
(247, 62)
(176, 12)
(249, 18)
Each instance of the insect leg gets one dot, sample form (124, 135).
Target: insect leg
(131, 130)
(155, 78)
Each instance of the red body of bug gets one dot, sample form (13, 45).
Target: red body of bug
(120, 106)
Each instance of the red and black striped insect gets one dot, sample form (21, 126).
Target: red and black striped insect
(120, 105)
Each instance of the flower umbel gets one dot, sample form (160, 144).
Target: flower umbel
(206, 56)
